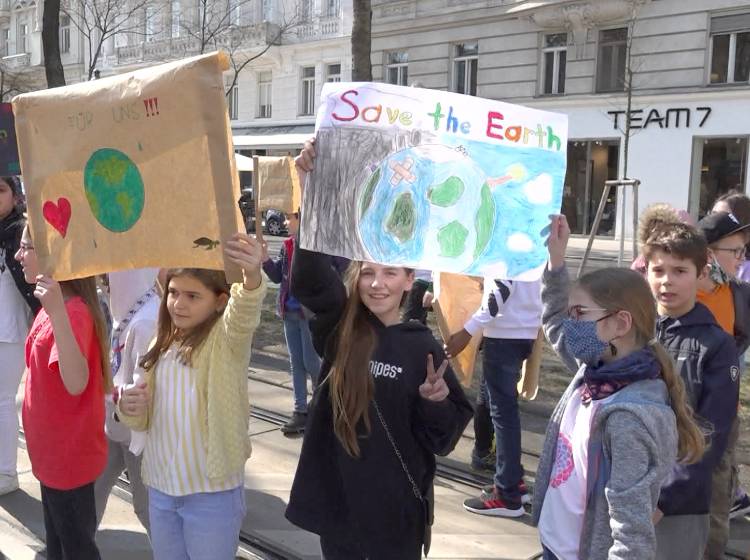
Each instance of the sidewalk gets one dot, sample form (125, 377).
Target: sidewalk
(457, 534)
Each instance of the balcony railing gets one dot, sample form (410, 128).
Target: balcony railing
(180, 47)
(17, 60)
(319, 28)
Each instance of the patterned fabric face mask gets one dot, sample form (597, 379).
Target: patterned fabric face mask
(583, 342)
(716, 273)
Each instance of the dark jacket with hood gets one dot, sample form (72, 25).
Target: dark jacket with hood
(741, 298)
(706, 359)
(11, 230)
(369, 500)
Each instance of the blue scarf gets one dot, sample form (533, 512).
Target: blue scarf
(606, 379)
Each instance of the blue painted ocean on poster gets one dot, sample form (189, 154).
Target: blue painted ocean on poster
(462, 205)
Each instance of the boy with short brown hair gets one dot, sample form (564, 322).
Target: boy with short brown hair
(706, 358)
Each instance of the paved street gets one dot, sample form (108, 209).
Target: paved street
(457, 534)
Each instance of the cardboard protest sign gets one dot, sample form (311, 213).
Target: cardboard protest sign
(9, 164)
(457, 297)
(278, 184)
(528, 385)
(132, 171)
(434, 180)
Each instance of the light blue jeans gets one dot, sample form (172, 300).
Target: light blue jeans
(204, 526)
(303, 359)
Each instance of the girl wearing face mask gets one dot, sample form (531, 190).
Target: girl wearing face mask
(621, 424)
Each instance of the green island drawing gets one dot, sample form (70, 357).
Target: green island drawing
(114, 189)
(403, 219)
(446, 193)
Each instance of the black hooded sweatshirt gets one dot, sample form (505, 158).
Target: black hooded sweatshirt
(369, 500)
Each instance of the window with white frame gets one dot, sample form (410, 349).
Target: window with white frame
(333, 73)
(397, 68)
(266, 8)
(23, 38)
(6, 41)
(150, 23)
(554, 59)
(465, 64)
(234, 12)
(730, 49)
(64, 33)
(307, 91)
(333, 7)
(176, 18)
(611, 59)
(233, 102)
(305, 9)
(264, 95)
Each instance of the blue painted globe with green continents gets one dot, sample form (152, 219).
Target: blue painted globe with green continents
(469, 206)
(114, 189)
(426, 199)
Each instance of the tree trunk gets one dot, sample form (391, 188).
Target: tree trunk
(53, 67)
(361, 41)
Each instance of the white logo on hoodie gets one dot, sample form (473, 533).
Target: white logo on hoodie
(379, 369)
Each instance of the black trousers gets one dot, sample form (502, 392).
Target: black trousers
(343, 547)
(70, 523)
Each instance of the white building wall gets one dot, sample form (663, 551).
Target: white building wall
(670, 46)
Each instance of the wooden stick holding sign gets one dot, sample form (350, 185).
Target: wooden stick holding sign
(256, 196)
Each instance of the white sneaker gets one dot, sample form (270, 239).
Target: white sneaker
(8, 483)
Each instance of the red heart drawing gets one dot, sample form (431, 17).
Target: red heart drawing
(58, 215)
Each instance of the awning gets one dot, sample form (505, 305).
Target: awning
(293, 141)
(244, 163)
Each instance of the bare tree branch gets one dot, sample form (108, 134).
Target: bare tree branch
(12, 83)
(99, 20)
(234, 57)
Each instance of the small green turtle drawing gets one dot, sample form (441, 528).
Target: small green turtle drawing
(206, 243)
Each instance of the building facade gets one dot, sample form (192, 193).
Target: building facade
(299, 45)
(689, 100)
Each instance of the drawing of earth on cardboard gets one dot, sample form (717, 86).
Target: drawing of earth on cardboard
(114, 189)
(437, 200)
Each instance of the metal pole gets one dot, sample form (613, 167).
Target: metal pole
(621, 252)
(635, 218)
(595, 228)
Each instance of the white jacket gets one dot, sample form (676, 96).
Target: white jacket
(509, 309)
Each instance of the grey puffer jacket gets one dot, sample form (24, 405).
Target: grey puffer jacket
(632, 449)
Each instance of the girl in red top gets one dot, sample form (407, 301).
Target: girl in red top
(63, 406)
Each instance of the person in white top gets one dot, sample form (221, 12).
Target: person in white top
(17, 307)
(509, 319)
(134, 304)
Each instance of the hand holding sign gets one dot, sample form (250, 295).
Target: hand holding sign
(305, 161)
(246, 252)
(434, 388)
(558, 240)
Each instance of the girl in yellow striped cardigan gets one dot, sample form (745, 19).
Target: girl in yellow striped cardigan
(193, 402)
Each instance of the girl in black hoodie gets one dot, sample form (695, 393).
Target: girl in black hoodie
(388, 404)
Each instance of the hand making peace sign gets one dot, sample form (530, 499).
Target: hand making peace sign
(434, 388)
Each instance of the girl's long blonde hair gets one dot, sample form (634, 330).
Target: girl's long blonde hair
(167, 334)
(351, 385)
(622, 289)
(85, 288)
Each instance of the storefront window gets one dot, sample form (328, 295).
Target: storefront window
(723, 167)
(590, 164)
